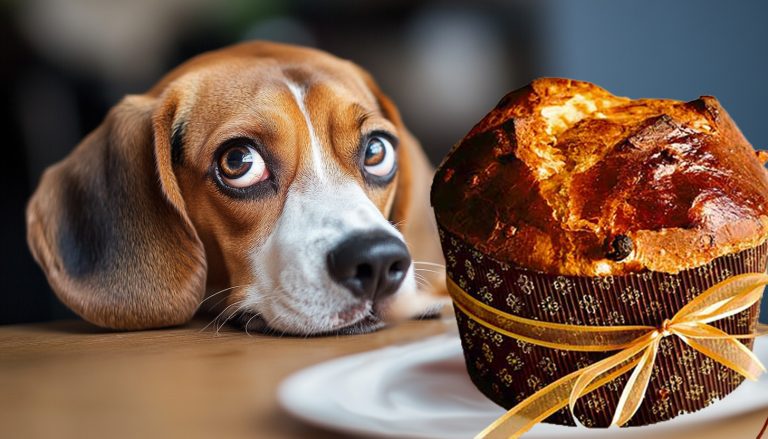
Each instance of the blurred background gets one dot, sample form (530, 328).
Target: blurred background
(64, 63)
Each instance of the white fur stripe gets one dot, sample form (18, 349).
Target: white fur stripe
(317, 156)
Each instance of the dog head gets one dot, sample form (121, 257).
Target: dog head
(276, 181)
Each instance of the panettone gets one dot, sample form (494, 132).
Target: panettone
(569, 206)
(563, 177)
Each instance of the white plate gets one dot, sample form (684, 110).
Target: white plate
(421, 390)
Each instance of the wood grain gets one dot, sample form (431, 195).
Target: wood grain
(72, 380)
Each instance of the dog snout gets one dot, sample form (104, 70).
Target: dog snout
(370, 265)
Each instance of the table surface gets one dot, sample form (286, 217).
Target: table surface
(71, 380)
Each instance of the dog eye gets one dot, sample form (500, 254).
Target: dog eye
(379, 159)
(242, 166)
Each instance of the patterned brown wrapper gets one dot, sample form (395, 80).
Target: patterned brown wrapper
(508, 370)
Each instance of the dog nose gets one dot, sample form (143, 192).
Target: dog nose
(370, 265)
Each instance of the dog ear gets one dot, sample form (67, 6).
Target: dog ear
(109, 227)
(411, 212)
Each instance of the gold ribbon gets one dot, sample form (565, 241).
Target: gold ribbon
(637, 347)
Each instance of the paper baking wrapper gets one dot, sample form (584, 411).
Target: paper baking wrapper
(508, 370)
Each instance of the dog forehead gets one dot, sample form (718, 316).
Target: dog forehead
(235, 87)
(300, 64)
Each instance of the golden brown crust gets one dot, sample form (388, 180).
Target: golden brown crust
(566, 178)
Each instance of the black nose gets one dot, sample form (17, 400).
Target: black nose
(371, 265)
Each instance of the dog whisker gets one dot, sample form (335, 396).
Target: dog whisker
(420, 283)
(251, 301)
(248, 323)
(221, 291)
(234, 313)
(264, 295)
(219, 315)
(218, 325)
(397, 223)
(427, 270)
(419, 276)
(218, 302)
(216, 319)
(271, 325)
(428, 263)
(240, 304)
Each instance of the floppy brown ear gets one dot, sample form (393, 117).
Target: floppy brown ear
(109, 228)
(411, 212)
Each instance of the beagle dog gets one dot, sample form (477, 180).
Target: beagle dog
(275, 185)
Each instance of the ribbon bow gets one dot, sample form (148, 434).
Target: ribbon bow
(637, 347)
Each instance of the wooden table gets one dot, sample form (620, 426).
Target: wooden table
(71, 380)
